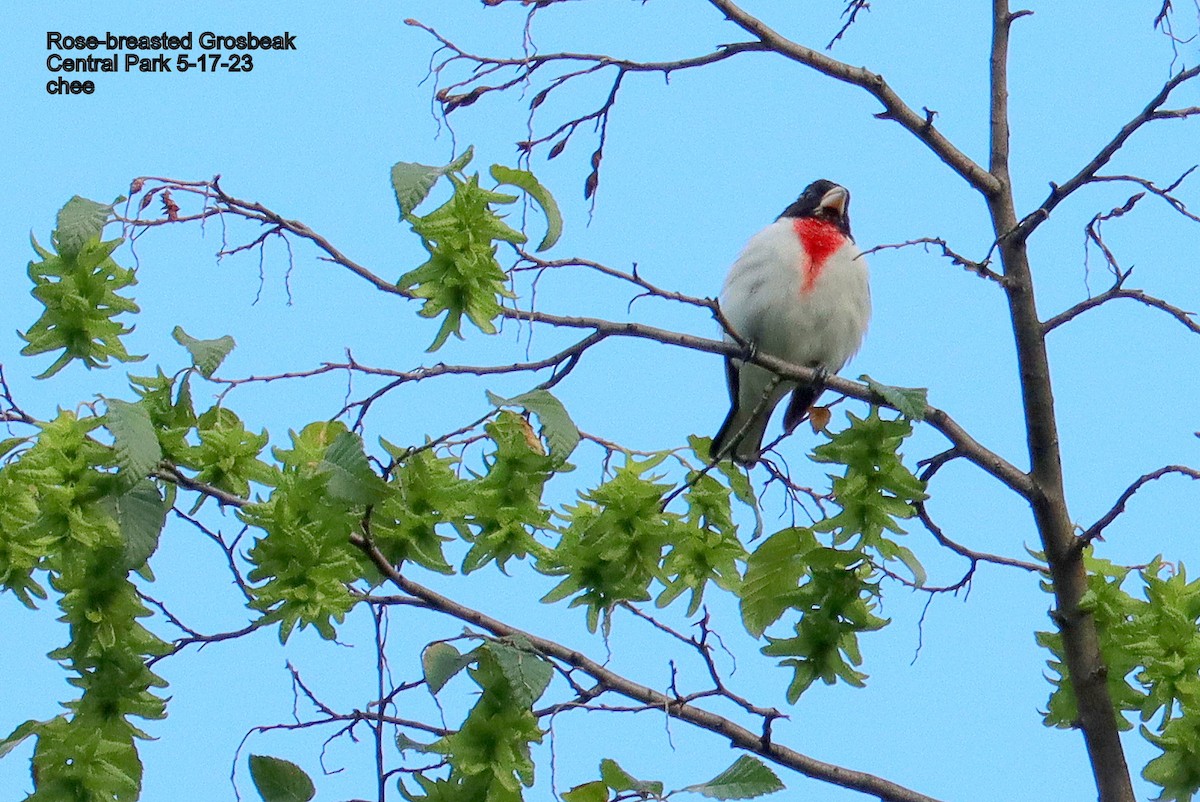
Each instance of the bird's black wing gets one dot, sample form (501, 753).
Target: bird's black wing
(804, 396)
(732, 380)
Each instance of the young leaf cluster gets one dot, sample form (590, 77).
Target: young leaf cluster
(831, 590)
(489, 755)
(832, 586)
(506, 500)
(78, 287)
(305, 560)
(876, 489)
(619, 539)
(462, 276)
(68, 516)
(1151, 646)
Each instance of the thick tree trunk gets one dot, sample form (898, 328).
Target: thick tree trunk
(1085, 664)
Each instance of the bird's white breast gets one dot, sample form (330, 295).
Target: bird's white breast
(766, 299)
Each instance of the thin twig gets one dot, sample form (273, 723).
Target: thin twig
(980, 268)
(1119, 291)
(738, 735)
(1152, 111)
(1096, 530)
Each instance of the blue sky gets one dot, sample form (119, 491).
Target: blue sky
(691, 169)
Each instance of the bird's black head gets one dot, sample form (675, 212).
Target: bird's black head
(823, 200)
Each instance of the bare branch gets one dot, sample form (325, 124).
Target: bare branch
(1162, 17)
(191, 636)
(14, 413)
(169, 473)
(522, 69)
(1092, 232)
(702, 647)
(673, 707)
(1152, 111)
(1119, 291)
(222, 203)
(930, 467)
(894, 107)
(1162, 192)
(649, 289)
(972, 555)
(1096, 530)
(850, 14)
(980, 269)
(226, 548)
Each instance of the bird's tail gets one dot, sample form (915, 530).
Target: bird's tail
(740, 436)
(803, 397)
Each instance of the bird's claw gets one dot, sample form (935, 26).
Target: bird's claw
(820, 374)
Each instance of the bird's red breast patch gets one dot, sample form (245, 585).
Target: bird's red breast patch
(820, 239)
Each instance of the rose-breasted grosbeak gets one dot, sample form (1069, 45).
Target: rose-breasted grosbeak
(798, 292)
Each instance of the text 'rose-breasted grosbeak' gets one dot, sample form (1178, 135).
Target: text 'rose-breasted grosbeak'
(798, 292)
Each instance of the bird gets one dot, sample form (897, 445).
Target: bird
(799, 291)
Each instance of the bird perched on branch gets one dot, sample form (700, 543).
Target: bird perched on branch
(798, 292)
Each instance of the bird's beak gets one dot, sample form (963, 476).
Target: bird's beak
(835, 201)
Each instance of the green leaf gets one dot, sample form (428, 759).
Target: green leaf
(773, 573)
(412, 182)
(78, 289)
(404, 743)
(227, 456)
(595, 791)
(462, 277)
(621, 781)
(876, 490)
(526, 181)
(9, 443)
(612, 549)
(18, 735)
(279, 780)
(747, 778)
(908, 401)
(460, 163)
(906, 556)
(489, 755)
(207, 355)
(506, 503)
(426, 496)
(141, 514)
(350, 476)
(557, 427)
(528, 674)
(78, 222)
(135, 440)
(440, 662)
(616, 777)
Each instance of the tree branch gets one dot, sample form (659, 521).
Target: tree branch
(971, 449)
(1087, 174)
(1118, 291)
(739, 736)
(14, 413)
(850, 14)
(980, 269)
(1097, 529)
(1163, 192)
(1085, 662)
(930, 467)
(918, 124)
